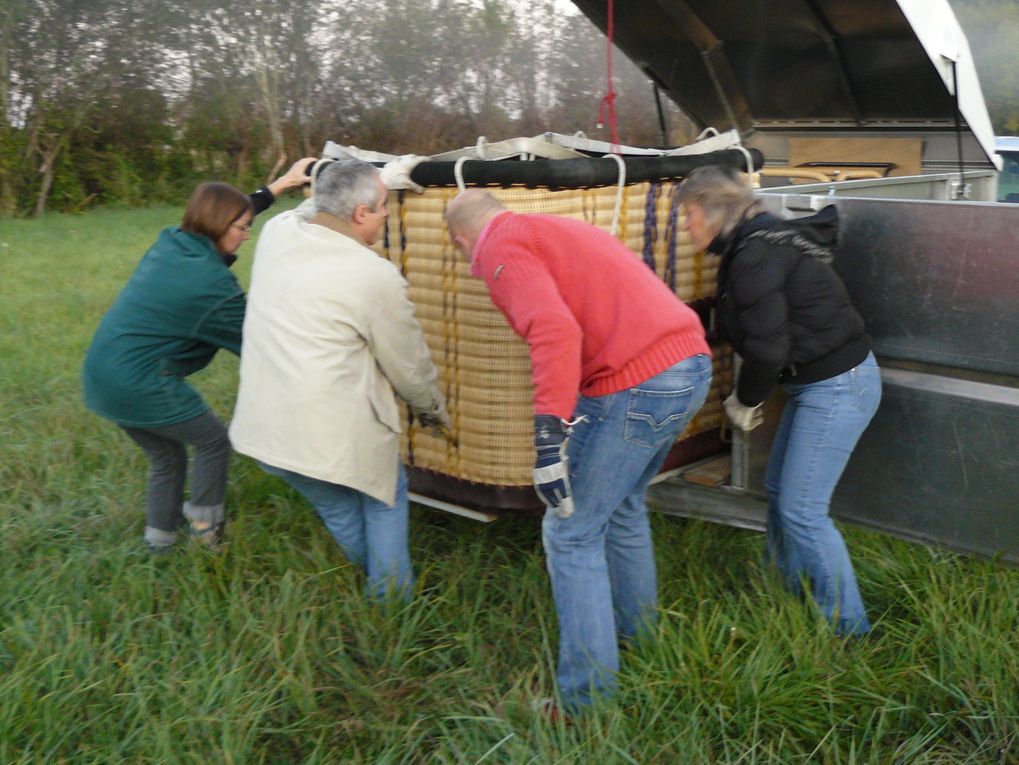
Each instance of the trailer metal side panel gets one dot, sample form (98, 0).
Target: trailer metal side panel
(940, 464)
(938, 286)
(936, 282)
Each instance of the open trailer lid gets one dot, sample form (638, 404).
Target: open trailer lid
(784, 65)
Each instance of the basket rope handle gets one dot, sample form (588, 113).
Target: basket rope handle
(458, 173)
(621, 184)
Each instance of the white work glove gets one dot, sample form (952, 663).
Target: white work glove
(396, 173)
(746, 418)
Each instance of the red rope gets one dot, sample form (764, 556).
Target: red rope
(608, 103)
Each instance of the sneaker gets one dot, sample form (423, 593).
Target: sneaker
(207, 533)
(159, 551)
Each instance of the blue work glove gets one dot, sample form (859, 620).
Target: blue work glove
(551, 476)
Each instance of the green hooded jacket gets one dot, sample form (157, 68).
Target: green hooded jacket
(179, 307)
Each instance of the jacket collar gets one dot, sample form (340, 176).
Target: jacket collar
(816, 234)
(192, 245)
(724, 243)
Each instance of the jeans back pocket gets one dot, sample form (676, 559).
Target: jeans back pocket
(655, 417)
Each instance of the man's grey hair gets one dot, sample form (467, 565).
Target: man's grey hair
(343, 185)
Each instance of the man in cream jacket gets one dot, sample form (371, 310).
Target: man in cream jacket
(329, 335)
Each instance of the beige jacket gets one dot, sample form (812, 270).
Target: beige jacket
(329, 335)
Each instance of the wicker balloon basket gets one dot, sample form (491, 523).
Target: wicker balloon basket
(484, 366)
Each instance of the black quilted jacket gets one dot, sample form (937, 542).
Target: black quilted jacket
(782, 306)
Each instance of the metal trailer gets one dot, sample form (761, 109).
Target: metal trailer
(938, 284)
(933, 271)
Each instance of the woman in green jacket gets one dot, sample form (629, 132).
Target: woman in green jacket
(180, 306)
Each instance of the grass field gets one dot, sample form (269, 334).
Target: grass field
(266, 653)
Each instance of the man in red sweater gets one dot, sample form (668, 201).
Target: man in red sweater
(620, 365)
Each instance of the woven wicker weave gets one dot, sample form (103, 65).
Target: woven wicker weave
(484, 367)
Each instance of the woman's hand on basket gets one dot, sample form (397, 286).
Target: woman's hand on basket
(396, 173)
(744, 417)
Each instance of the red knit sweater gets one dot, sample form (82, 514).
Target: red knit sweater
(595, 318)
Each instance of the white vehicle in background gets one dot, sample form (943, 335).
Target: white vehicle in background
(1007, 147)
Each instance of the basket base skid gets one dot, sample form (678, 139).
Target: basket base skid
(486, 502)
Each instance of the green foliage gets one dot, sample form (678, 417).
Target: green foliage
(112, 177)
(268, 653)
(148, 101)
(13, 185)
(126, 186)
(69, 193)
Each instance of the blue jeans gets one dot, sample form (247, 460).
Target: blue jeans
(820, 426)
(600, 559)
(371, 534)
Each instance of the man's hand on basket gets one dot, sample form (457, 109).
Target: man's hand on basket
(436, 421)
(551, 473)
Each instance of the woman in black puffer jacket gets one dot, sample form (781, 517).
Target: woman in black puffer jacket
(787, 314)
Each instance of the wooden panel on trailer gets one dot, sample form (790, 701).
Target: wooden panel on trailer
(902, 154)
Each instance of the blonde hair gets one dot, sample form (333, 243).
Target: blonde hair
(722, 194)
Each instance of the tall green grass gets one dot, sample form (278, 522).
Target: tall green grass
(267, 653)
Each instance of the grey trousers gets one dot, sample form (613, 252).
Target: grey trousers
(166, 448)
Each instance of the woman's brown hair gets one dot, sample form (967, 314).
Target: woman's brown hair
(213, 208)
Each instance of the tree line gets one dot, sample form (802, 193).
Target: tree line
(112, 103)
(107, 102)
